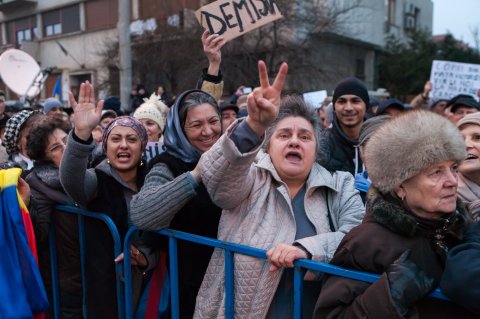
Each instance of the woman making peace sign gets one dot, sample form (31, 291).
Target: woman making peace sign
(262, 173)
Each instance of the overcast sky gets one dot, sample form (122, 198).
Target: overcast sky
(456, 16)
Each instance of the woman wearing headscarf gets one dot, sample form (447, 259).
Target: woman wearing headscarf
(412, 220)
(16, 132)
(275, 197)
(107, 188)
(173, 194)
(45, 146)
(469, 177)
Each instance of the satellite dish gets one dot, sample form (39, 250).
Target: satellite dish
(20, 72)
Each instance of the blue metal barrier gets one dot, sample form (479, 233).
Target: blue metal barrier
(81, 230)
(230, 249)
(124, 297)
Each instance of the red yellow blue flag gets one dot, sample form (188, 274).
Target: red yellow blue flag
(22, 293)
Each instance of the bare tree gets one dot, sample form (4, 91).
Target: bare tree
(475, 31)
(173, 56)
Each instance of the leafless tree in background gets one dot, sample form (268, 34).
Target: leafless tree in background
(173, 56)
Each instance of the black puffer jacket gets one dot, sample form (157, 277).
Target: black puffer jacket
(337, 152)
(47, 192)
(461, 279)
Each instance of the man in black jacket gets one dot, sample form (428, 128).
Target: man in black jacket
(337, 146)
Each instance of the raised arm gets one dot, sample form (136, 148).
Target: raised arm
(227, 165)
(211, 79)
(79, 183)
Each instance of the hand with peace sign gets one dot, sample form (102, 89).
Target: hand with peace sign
(264, 102)
(87, 116)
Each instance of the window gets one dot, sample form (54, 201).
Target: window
(360, 69)
(391, 12)
(64, 20)
(21, 30)
(24, 35)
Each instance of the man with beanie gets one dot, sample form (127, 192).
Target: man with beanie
(338, 146)
(52, 106)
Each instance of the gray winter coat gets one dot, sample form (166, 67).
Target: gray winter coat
(257, 211)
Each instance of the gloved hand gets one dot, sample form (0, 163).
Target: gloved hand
(408, 283)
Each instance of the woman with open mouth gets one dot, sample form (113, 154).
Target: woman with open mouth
(262, 173)
(107, 188)
(469, 177)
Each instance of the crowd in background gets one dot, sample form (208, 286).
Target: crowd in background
(376, 186)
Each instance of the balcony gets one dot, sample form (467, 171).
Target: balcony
(10, 5)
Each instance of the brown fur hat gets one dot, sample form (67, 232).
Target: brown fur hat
(408, 144)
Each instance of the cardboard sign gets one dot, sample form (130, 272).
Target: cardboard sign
(452, 78)
(233, 18)
(315, 98)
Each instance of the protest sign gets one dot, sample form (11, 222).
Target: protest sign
(315, 98)
(233, 18)
(452, 78)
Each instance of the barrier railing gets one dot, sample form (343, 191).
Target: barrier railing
(230, 249)
(117, 243)
(123, 276)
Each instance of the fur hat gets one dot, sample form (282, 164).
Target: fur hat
(351, 86)
(408, 144)
(153, 109)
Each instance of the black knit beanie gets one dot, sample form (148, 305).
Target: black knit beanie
(351, 86)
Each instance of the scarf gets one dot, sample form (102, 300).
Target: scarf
(176, 143)
(469, 193)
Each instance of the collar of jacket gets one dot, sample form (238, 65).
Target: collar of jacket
(318, 176)
(340, 135)
(107, 169)
(48, 173)
(388, 211)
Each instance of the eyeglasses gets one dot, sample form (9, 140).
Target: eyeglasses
(56, 147)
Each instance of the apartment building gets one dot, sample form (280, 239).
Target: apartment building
(70, 35)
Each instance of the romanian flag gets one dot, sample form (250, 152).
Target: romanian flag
(22, 294)
(57, 90)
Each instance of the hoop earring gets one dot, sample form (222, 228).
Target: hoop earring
(141, 162)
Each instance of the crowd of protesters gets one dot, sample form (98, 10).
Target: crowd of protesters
(375, 186)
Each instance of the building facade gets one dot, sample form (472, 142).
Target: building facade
(71, 35)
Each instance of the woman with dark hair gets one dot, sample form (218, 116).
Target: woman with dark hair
(274, 196)
(173, 194)
(412, 220)
(45, 146)
(107, 188)
(16, 133)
